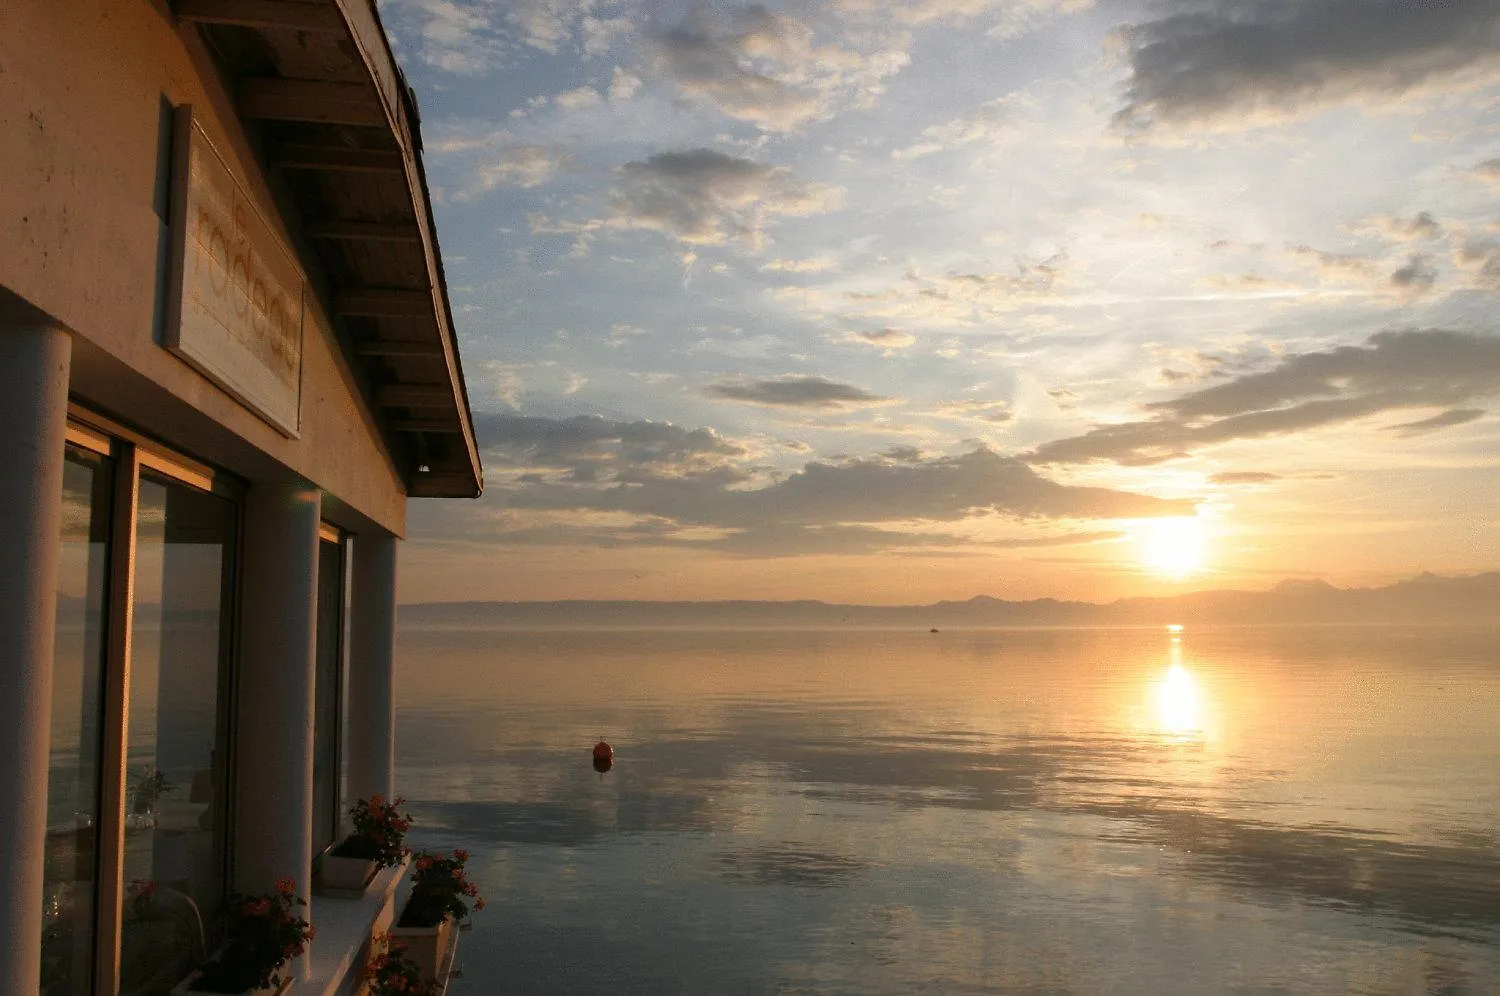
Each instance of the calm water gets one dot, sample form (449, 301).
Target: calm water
(1297, 810)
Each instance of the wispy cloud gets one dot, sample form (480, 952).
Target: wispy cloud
(1448, 419)
(806, 392)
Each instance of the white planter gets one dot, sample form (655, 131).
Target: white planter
(427, 946)
(347, 874)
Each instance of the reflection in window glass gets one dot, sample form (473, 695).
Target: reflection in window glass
(175, 764)
(73, 767)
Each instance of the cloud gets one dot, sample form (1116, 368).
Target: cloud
(591, 444)
(623, 84)
(1391, 371)
(703, 197)
(988, 124)
(1243, 477)
(1415, 278)
(763, 67)
(796, 392)
(959, 298)
(454, 37)
(578, 98)
(885, 338)
(601, 33)
(1448, 419)
(1335, 267)
(1232, 63)
(516, 166)
(981, 411)
(1488, 170)
(817, 264)
(1010, 17)
(590, 481)
(545, 24)
(1424, 227)
(1481, 259)
(878, 489)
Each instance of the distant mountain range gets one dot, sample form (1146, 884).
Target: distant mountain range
(1425, 599)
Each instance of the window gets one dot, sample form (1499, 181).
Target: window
(137, 778)
(77, 687)
(174, 770)
(328, 690)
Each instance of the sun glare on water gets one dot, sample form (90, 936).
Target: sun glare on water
(1179, 706)
(1173, 547)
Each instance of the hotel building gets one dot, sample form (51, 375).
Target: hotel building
(226, 362)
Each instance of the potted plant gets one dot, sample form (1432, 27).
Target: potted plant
(376, 843)
(439, 898)
(261, 934)
(394, 974)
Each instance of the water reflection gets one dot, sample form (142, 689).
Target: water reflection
(956, 822)
(1179, 702)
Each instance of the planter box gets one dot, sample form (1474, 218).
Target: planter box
(185, 987)
(427, 946)
(346, 875)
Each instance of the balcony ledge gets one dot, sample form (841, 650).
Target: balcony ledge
(345, 926)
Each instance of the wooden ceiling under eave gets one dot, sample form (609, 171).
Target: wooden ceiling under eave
(317, 80)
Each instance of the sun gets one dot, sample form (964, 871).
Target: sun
(1174, 547)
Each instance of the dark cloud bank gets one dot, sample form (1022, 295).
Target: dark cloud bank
(1391, 371)
(1207, 61)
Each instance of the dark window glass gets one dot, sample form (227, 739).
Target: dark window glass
(328, 691)
(175, 763)
(73, 769)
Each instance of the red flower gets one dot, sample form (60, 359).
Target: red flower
(286, 886)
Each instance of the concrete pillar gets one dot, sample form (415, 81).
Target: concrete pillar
(34, 365)
(370, 722)
(274, 737)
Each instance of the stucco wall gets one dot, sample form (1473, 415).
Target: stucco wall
(81, 89)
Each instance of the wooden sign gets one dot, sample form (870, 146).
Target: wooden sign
(235, 305)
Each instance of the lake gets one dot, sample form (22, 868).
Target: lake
(1227, 810)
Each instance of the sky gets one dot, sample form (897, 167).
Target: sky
(897, 302)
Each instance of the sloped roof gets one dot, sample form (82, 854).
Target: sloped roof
(335, 117)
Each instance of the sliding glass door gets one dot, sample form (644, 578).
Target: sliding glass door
(175, 771)
(71, 854)
(138, 781)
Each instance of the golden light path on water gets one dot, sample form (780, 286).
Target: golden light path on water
(1179, 701)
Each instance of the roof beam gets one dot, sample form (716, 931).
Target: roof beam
(398, 347)
(317, 101)
(362, 231)
(324, 18)
(414, 396)
(384, 302)
(338, 158)
(443, 484)
(449, 426)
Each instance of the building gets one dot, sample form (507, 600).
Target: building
(226, 362)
